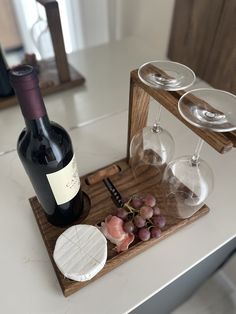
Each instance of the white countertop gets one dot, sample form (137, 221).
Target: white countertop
(28, 281)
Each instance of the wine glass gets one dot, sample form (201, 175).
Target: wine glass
(40, 35)
(153, 145)
(189, 180)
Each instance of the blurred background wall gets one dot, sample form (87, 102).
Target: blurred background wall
(88, 23)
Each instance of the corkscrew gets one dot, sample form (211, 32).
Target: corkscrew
(115, 195)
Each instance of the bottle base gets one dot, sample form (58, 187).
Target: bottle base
(62, 221)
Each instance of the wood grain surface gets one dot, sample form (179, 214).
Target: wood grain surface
(138, 110)
(221, 63)
(101, 206)
(193, 30)
(203, 38)
(54, 24)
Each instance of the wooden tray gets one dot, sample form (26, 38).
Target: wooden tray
(101, 206)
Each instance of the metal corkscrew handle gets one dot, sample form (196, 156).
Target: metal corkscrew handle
(115, 195)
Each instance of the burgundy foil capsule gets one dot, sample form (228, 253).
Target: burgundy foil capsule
(23, 78)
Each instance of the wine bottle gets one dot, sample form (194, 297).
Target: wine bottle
(5, 86)
(46, 152)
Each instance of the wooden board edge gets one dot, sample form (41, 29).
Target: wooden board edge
(56, 270)
(119, 259)
(134, 251)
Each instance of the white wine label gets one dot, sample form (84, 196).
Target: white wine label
(65, 183)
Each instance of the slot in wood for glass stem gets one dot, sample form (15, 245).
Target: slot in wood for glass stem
(138, 111)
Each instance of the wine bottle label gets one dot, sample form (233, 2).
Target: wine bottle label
(65, 183)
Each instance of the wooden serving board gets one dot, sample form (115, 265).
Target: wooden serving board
(97, 198)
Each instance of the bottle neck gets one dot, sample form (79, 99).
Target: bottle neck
(34, 112)
(31, 103)
(26, 85)
(5, 87)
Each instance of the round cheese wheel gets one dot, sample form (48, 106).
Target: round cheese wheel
(80, 252)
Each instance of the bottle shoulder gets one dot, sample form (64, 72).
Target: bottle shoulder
(50, 148)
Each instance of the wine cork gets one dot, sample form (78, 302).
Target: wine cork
(102, 174)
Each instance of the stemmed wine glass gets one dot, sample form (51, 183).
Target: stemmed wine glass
(40, 35)
(188, 180)
(153, 145)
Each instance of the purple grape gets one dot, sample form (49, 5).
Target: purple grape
(146, 212)
(159, 221)
(136, 202)
(125, 199)
(135, 229)
(155, 232)
(149, 200)
(121, 213)
(139, 221)
(144, 234)
(156, 210)
(128, 227)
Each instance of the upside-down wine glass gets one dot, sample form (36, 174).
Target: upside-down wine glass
(188, 180)
(40, 35)
(153, 145)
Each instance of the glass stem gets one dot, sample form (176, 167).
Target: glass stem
(196, 155)
(156, 126)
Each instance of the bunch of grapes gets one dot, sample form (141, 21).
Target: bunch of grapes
(142, 216)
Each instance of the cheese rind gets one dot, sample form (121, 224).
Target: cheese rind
(80, 252)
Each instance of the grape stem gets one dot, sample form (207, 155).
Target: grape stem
(130, 208)
(151, 224)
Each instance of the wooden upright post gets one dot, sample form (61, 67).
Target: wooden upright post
(54, 24)
(138, 112)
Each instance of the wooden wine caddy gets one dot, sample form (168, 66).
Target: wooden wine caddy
(55, 74)
(98, 202)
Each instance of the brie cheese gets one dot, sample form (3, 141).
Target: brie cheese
(80, 252)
